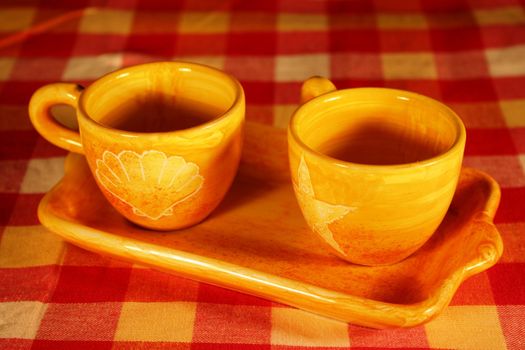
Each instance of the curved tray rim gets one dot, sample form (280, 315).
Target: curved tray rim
(346, 307)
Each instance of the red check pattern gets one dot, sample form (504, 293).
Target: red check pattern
(468, 54)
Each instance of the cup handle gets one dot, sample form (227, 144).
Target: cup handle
(316, 86)
(40, 114)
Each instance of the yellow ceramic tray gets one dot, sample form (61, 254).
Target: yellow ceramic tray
(257, 242)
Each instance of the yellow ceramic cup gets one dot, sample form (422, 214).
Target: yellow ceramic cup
(374, 170)
(163, 140)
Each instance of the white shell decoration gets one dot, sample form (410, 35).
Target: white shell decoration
(151, 183)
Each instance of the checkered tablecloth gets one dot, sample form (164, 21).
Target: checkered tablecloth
(468, 54)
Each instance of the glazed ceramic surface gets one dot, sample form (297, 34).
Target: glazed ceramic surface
(386, 201)
(257, 242)
(160, 180)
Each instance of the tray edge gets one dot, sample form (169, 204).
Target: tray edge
(345, 307)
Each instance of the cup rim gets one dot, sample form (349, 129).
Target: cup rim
(457, 146)
(179, 65)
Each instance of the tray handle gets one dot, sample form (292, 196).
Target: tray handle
(488, 249)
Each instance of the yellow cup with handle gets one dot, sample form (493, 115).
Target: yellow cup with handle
(163, 140)
(374, 170)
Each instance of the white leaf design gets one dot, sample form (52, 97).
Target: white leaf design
(318, 214)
